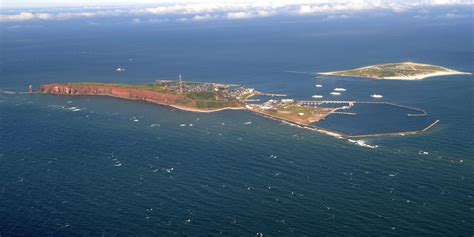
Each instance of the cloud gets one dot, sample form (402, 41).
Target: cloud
(337, 17)
(233, 10)
(204, 17)
(249, 15)
(197, 8)
(28, 16)
(335, 8)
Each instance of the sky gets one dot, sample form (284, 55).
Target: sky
(20, 11)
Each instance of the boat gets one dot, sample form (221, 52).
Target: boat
(120, 69)
(335, 93)
(339, 89)
(377, 96)
(319, 86)
(317, 96)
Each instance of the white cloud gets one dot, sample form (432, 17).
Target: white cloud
(337, 17)
(235, 10)
(28, 16)
(204, 17)
(23, 16)
(249, 15)
(239, 15)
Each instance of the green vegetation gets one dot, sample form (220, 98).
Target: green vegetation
(210, 104)
(204, 95)
(151, 87)
(184, 101)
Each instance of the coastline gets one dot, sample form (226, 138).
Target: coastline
(187, 109)
(201, 110)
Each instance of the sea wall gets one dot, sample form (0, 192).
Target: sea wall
(114, 91)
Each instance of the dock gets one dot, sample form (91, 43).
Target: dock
(344, 113)
(272, 94)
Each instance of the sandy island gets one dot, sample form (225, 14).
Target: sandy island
(397, 71)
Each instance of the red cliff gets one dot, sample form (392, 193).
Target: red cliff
(114, 91)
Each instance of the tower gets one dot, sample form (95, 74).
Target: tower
(180, 84)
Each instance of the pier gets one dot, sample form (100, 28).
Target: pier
(396, 133)
(272, 94)
(344, 113)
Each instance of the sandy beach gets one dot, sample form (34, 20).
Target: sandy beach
(423, 76)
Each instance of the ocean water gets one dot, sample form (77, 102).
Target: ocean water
(376, 119)
(104, 166)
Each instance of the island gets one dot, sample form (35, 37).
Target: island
(212, 97)
(397, 71)
(189, 96)
(197, 97)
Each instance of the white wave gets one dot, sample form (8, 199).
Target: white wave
(423, 153)
(362, 143)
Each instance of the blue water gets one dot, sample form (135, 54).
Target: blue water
(376, 119)
(105, 166)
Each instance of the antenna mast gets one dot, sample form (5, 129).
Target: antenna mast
(180, 84)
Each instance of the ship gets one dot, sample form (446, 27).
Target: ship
(377, 96)
(335, 93)
(319, 86)
(120, 69)
(317, 96)
(339, 89)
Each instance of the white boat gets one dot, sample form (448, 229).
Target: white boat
(335, 93)
(339, 89)
(120, 69)
(317, 96)
(377, 96)
(319, 86)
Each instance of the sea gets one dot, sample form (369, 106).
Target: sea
(101, 166)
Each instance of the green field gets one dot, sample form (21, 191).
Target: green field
(151, 87)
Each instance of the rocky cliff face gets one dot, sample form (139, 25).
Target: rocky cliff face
(119, 92)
